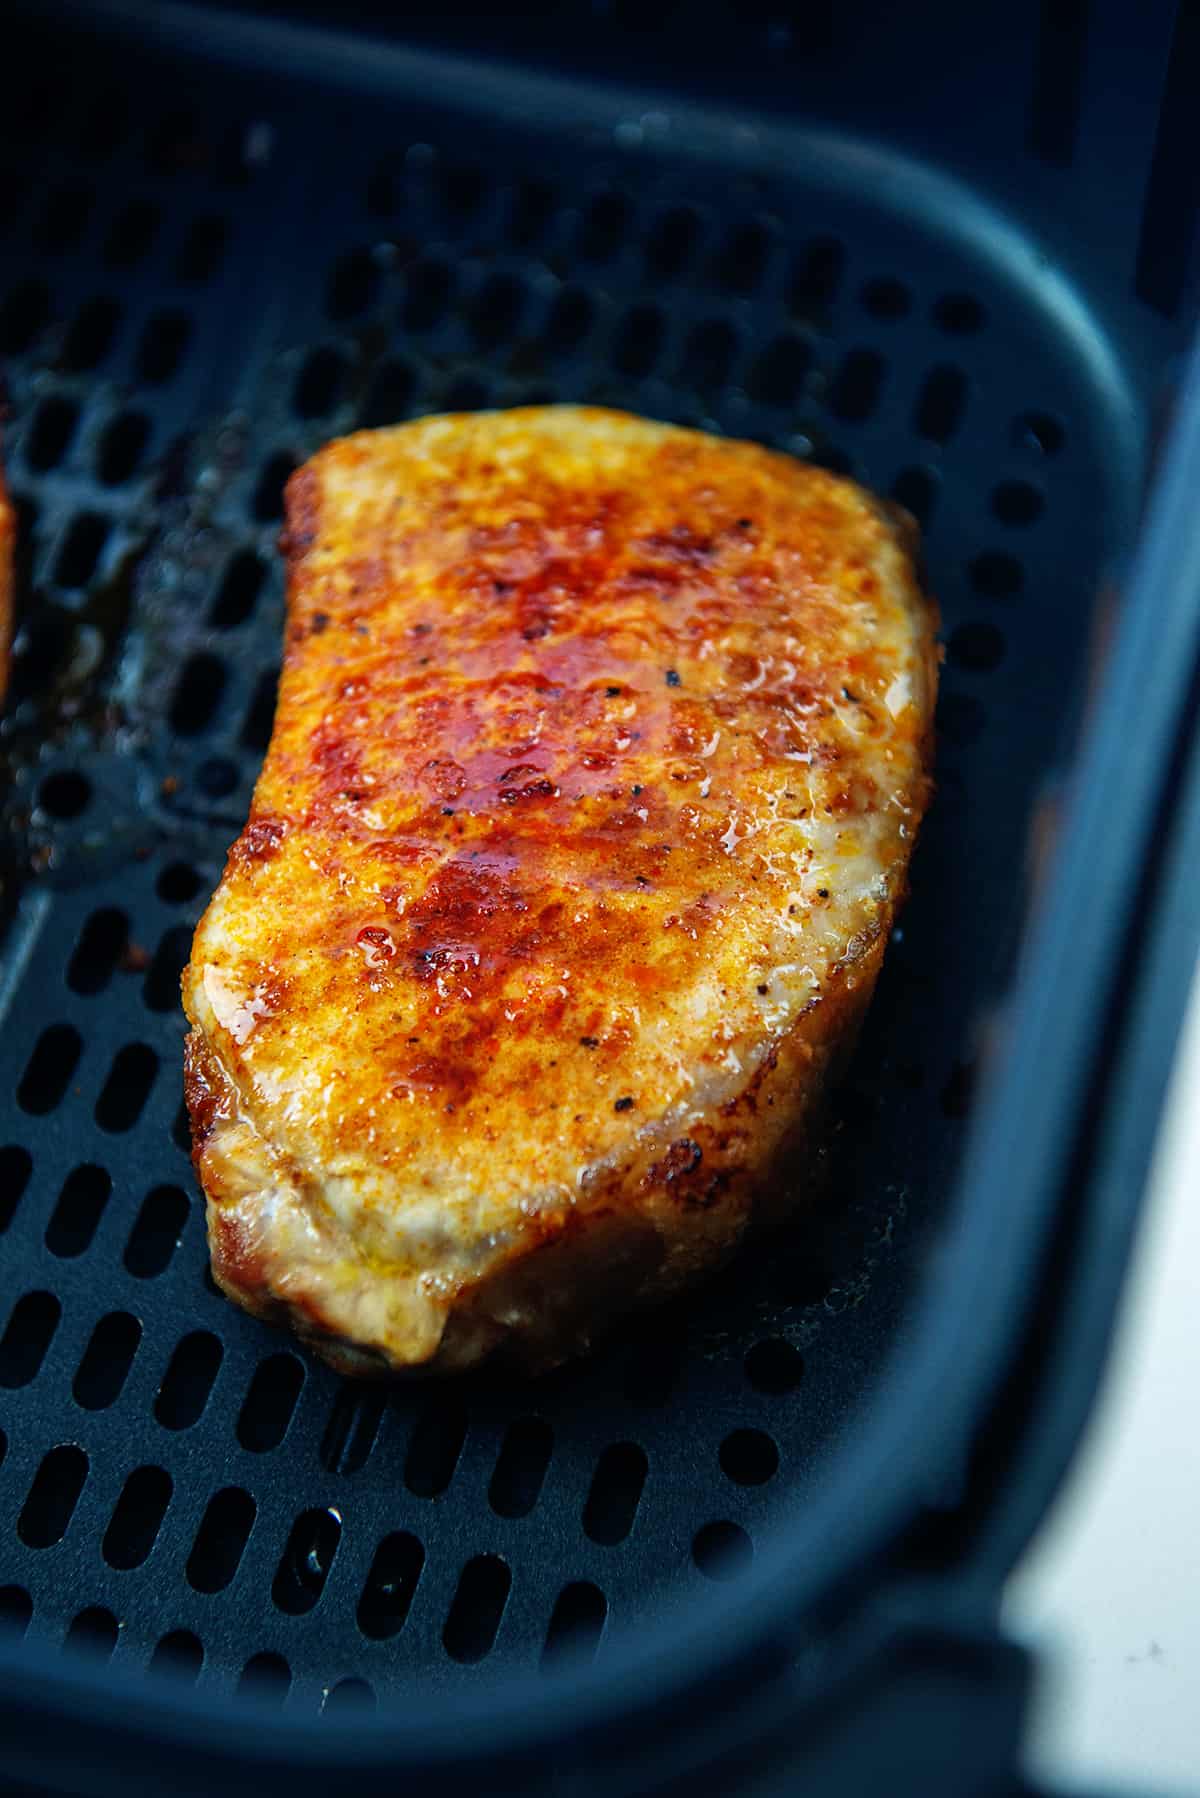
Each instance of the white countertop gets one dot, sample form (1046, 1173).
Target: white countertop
(1109, 1594)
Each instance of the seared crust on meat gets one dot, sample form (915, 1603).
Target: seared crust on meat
(600, 753)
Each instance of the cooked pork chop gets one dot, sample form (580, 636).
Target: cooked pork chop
(8, 542)
(600, 751)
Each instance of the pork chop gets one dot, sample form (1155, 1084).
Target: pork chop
(600, 751)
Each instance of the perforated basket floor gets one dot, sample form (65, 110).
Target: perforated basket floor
(204, 280)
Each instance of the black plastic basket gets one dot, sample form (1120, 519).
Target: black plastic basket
(948, 250)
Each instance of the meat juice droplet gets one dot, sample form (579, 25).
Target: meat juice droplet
(445, 776)
(377, 945)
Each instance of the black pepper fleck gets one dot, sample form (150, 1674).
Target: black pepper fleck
(625, 1104)
(613, 692)
(822, 892)
(673, 678)
(447, 811)
(320, 623)
(635, 791)
(590, 1042)
(763, 989)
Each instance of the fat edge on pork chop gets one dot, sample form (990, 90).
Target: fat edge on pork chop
(600, 751)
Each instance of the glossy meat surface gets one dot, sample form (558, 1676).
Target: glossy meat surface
(600, 752)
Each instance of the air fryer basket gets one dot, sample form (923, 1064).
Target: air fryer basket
(221, 250)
